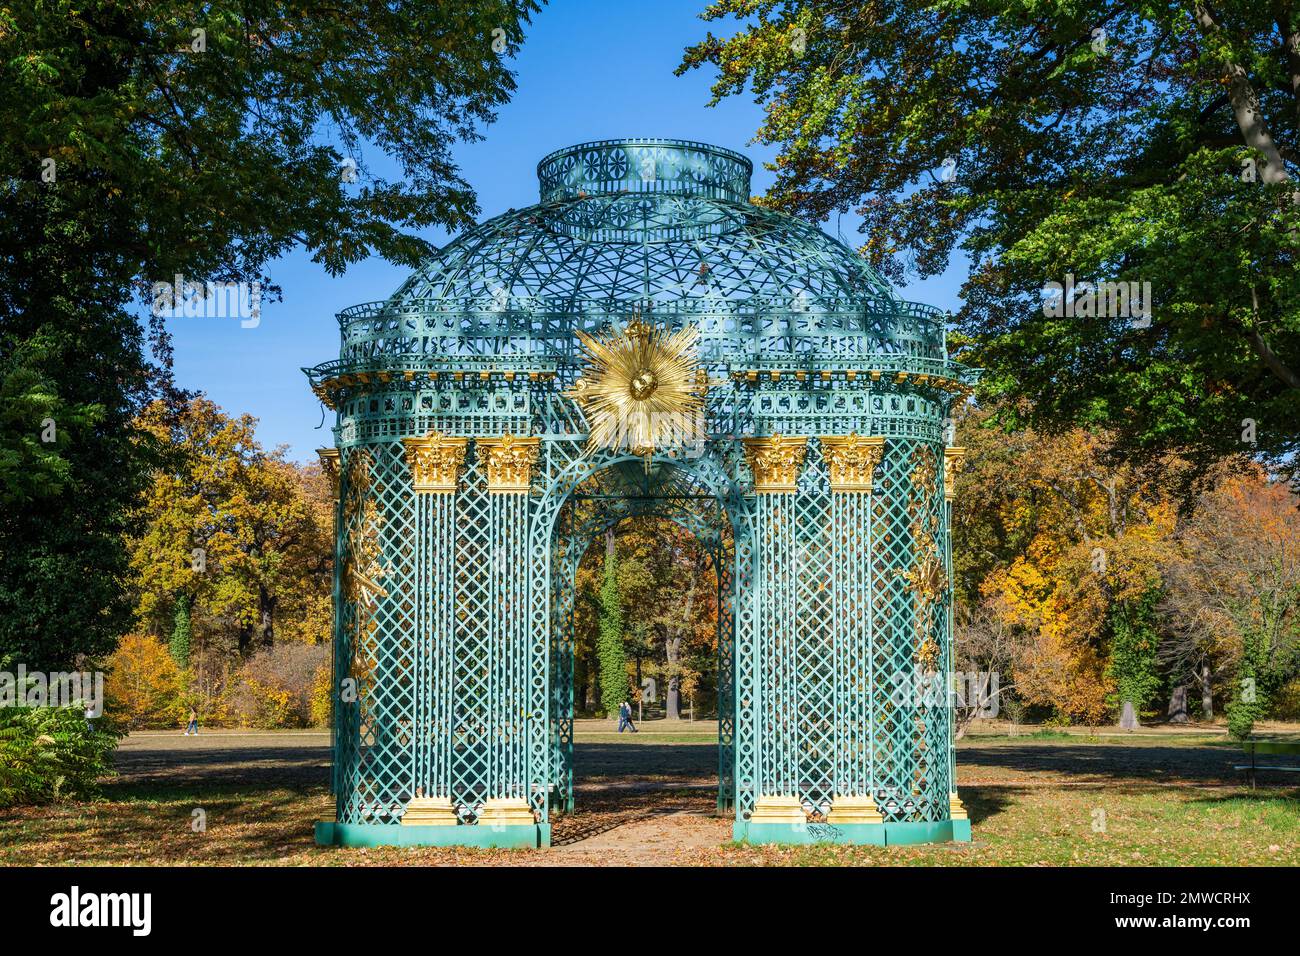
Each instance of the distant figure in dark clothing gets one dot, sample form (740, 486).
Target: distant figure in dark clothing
(625, 717)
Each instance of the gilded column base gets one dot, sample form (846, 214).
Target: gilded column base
(956, 809)
(778, 810)
(506, 812)
(854, 809)
(430, 812)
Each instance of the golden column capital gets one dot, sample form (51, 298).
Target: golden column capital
(952, 456)
(509, 462)
(852, 459)
(775, 461)
(329, 465)
(436, 461)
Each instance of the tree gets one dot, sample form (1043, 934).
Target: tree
(139, 142)
(1132, 667)
(231, 531)
(988, 650)
(1137, 143)
(72, 377)
(1234, 594)
(668, 585)
(1063, 543)
(613, 664)
(181, 631)
(680, 622)
(144, 687)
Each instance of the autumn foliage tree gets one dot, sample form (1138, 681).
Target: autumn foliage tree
(1070, 544)
(144, 687)
(1233, 606)
(233, 532)
(667, 592)
(232, 567)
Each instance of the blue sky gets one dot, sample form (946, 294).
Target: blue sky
(588, 70)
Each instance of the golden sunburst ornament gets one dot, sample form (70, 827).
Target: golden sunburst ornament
(642, 389)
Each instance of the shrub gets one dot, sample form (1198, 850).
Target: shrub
(47, 753)
(275, 686)
(322, 695)
(144, 686)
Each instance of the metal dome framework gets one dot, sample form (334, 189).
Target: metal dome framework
(818, 482)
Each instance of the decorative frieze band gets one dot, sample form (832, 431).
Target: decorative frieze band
(509, 462)
(851, 460)
(436, 462)
(775, 462)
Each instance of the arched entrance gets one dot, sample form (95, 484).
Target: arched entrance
(642, 338)
(625, 487)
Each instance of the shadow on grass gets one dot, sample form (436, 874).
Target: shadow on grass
(135, 824)
(261, 798)
(984, 802)
(1102, 762)
(1282, 797)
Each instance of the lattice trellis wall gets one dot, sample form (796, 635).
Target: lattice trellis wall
(454, 588)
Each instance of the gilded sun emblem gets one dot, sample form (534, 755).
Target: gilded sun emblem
(642, 389)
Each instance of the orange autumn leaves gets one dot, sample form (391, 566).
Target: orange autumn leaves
(1065, 535)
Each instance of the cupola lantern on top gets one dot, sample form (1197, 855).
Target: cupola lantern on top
(631, 166)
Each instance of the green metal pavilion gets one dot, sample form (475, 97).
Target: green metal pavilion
(806, 452)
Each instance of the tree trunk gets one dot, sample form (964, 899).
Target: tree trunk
(1128, 716)
(673, 649)
(266, 619)
(580, 674)
(1178, 705)
(1207, 694)
(673, 699)
(1245, 105)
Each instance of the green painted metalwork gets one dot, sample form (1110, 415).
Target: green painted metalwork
(453, 628)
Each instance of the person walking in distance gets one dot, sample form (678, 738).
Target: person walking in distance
(625, 717)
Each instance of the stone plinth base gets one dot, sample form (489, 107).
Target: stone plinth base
(850, 810)
(430, 812)
(779, 810)
(506, 812)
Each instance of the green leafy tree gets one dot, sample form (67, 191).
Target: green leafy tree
(143, 141)
(609, 644)
(181, 631)
(1249, 697)
(1134, 643)
(1137, 142)
(72, 377)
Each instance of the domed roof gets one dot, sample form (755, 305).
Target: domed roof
(644, 221)
(660, 228)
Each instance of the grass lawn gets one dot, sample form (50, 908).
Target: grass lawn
(1033, 800)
